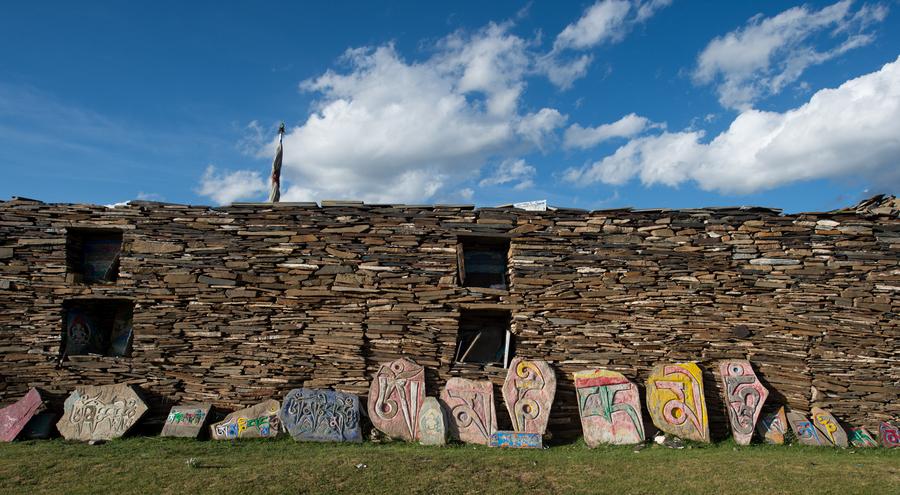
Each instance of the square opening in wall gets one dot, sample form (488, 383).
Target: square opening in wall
(92, 255)
(484, 337)
(483, 261)
(97, 326)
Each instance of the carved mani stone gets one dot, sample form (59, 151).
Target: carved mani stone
(610, 408)
(744, 398)
(395, 398)
(889, 435)
(186, 421)
(14, 417)
(772, 427)
(860, 438)
(100, 412)
(470, 406)
(675, 401)
(432, 425)
(804, 430)
(259, 421)
(829, 427)
(321, 415)
(516, 440)
(528, 393)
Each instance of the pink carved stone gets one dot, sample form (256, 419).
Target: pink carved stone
(744, 398)
(15, 416)
(528, 393)
(470, 405)
(395, 398)
(610, 408)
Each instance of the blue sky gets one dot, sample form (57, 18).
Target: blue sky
(586, 104)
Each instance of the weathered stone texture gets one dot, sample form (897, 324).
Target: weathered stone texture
(301, 295)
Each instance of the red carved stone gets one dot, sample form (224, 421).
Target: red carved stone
(395, 398)
(470, 405)
(14, 417)
(528, 393)
(744, 398)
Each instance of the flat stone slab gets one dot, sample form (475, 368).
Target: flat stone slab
(432, 424)
(14, 417)
(804, 430)
(772, 427)
(610, 408)
(470, 407)
(395, 399)
(528, 392)
(186, 421)
(744, 398)
(889, 435)
(259, 421)
(100, 412)
(829, 427)
(516, 440)
(675, 401)
(312, 415)
(860, 438)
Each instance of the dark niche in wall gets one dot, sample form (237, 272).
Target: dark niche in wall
(97, 326)
(483, 261)
(92, 255)
(484, 337)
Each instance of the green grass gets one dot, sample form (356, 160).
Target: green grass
(160, 465)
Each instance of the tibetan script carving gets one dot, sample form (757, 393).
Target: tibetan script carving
(860, 438)
(772, 427)
(744, 398)
(889, 435)
(516, 440)
(610, 408)
(395, 398)
(829, 428)
(186, 420)
(259, 421)
(100, 412)
(528, 393)
(321, 415)
(470, 405)
(676, 402)
(804, 430)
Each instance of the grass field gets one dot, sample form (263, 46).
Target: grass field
(162, 465)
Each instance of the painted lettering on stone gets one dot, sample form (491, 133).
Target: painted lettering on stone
(321, 416)
(516, 440)
(829, 427)
(773, 426)
(186, 421)
(528, 392)
(804, 430)
(259, 421)
(100, 412)
(744, 398)
(610, 408)
(470, 407)
(860, 438)
(395, 398)
(889, 435)
(676, 402)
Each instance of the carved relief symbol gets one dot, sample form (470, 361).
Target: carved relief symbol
(399, 392)
(89, 412)
(679, 409)
(601, 401)
(467, 414)
(311, 412)
(528, 378)
(744, 396)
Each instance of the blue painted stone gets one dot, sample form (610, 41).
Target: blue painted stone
(516, 440)
(321, 415)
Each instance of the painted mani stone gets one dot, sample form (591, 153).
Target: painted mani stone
(860, 438)
(804, 430)
(744, 398)
(610, 408)
(528, 393)
(516, 440)
(829, 428)
(259, 421)
(889, 435)
(470, 406)
(321, 415)
(432, 425)
(675, 401)
(14, 417)
(100, 412)
(772, 427)
(186, 421)
(395, 398)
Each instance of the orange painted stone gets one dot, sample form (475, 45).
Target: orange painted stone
(528, 392)
(470, 407)
(744, 398)
(773, 426)
(610, 408)
(395, 399)
(14, 417)
(675, 401)
(829, 428)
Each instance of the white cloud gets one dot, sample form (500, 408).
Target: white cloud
(227, 187)
(467, 193)
(849, 131)
(768, 54)
(588, 137)
(511, 171)
(391, 130)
